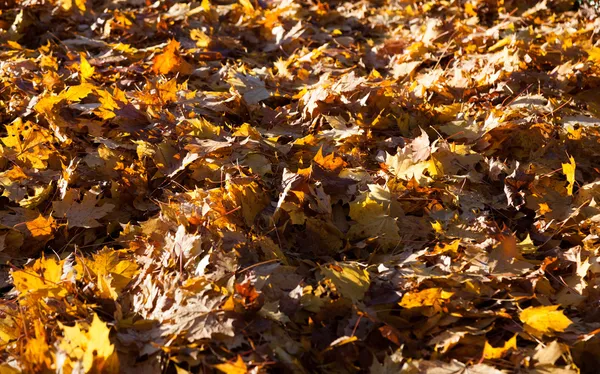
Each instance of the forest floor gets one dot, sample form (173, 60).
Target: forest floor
(299, 186)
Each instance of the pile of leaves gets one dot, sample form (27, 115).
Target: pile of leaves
(317, 186)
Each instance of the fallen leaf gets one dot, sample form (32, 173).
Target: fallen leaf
(430, 297)
(492, 353)
(237, 367)
(569, 171)
(88, 345)
(170, 61)
(545, 319)
(373, 222)
(350, 280)
(81, 214)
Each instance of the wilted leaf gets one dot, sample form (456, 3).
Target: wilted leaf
(81, 214)
(256, 186)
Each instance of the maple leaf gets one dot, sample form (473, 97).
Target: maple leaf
(88, 345)
(28, 144)
(252, 88)
(43, 278)
(201, 318)
(30, 231)
(329, 162)
(169, 61)
(350, 279)
(421, 147)
(373, 222)
(81, 214)
(299, 139)
(249, 197)
(184, 245)
(491, 353)
(403, 166)
(110, 268)
(545, 319)
(506, 257)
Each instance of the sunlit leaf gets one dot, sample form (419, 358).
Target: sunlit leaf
(546, 319)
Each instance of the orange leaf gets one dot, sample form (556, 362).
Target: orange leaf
(170, 61)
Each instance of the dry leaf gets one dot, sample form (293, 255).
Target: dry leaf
(545, 319)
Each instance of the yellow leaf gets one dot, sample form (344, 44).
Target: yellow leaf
(202, 40)
(492, 353)
(248, 7)
(450, 247)
(108, 105)
(437, 227)
(470, 10)
(246, 130)
(203, 129)
(167, 92)
(342, 341)
(544, 208)
(249, 197)
(77, 93)
(527, 245)
(40, 194)
(85, 69)
(81, 5)
(594, 54)
(38, 354)
(372, 221)
(7, 369)
(501, 43)
(28, 144)
(427, 297)
(125, 48)
(178, 370)
(404, 167)
(41, 279)
(569, 172)
(237, 367)
(110, 268)
(8, 325)
(89, 346)
(545, 319)
(350, 280)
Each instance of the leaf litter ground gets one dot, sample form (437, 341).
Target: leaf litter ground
(280, 186)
